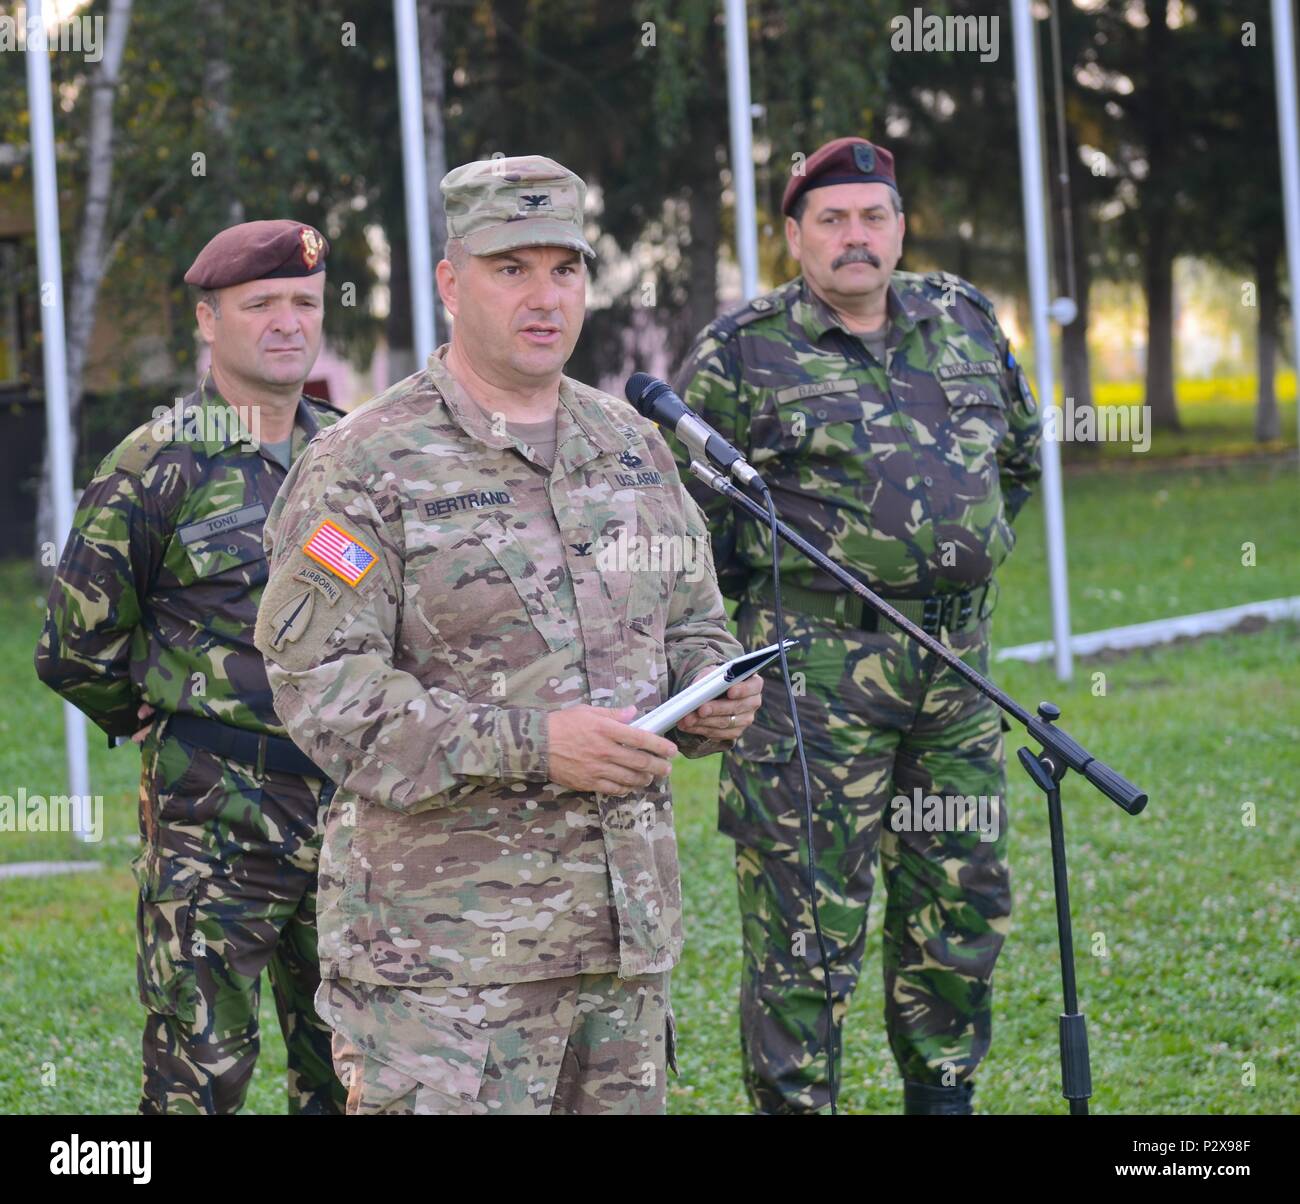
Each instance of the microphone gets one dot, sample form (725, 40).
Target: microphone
(654, 399)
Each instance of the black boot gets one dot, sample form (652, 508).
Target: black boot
(922, 1099)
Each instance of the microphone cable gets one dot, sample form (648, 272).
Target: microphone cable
(831, 1074)
(651, 398)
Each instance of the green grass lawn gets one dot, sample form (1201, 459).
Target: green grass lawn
(1197, 912)
(1194, 998)
(1156, 543)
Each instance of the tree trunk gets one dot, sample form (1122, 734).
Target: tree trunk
(1160, 331)
(223, 167)
(91, 260)
(1268, 423)
(706, 233)
(1157, 206)
(1076, 365)
(401, 350)
(433, 75)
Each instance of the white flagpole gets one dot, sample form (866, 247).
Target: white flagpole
(742, 146)
(416, 182)
(1031, 180)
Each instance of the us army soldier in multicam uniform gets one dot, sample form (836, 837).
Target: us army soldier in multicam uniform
(898, 435)
(489, 570)
(151, 619)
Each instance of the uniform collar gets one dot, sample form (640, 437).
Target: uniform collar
(911, 306)
(305, 428)
(904, 308)
(582, 429)
(226, 424)
(585, 431)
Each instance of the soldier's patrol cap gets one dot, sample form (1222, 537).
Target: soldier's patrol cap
(844, 161)
(496, 205)
(259, 251)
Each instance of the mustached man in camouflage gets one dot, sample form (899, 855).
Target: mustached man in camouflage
(899, 436)
(500, 901)
(150, 632)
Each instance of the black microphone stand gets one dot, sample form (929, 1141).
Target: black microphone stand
(1058, 754)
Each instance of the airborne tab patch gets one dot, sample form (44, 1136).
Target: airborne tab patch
(321, 581)
(339, 552)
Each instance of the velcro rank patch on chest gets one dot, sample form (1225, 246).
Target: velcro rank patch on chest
(956, 371)
(815, 389)
(205, 528)
(476, 499)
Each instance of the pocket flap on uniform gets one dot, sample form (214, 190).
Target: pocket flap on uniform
(759, 744)
(428, 1036)
(965, 391)
(163, 878)
(656, 551)
(810, 424)
(224, 550)
(525, 576)
(164, 931)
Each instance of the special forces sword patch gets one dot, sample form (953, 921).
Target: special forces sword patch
(290, 621)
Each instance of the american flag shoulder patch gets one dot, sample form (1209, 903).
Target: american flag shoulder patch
(341, 553)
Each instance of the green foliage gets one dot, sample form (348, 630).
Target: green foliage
(1234, 112)
(633, 96)
(295, 148)
(820, 72)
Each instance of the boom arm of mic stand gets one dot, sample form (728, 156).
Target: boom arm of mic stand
(1064, 750)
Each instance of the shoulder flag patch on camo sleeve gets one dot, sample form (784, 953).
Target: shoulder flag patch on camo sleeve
(344, 556)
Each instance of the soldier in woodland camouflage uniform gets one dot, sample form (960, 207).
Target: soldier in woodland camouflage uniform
(899, 436)
(477, 579)
(151, 620)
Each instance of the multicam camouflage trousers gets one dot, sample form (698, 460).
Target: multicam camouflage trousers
(227, 877)
(591, 1043)
(887, 727)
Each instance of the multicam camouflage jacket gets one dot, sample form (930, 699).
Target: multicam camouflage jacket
(434, 592)
(155, 597)
(907, 473)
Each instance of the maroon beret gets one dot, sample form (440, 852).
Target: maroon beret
(844, 161)
(259, 251)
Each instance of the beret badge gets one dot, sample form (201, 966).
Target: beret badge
(312, 245)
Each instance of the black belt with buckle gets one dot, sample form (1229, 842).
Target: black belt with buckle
(250, 748)
(951, 612)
